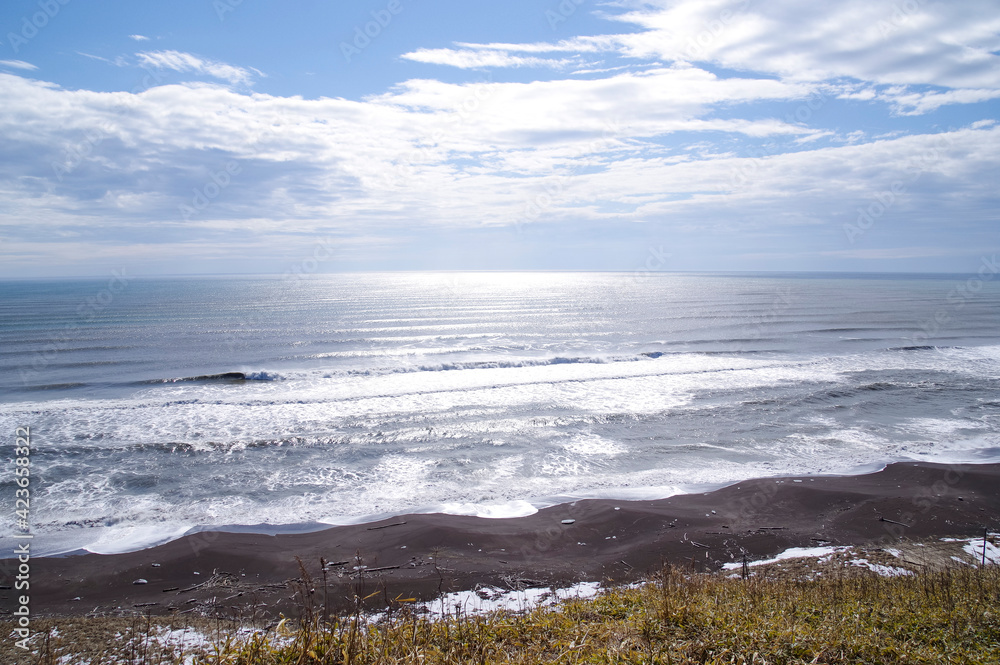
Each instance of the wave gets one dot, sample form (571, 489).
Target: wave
(74, 349)
(490, 364)
(880, 385)
(643, 356)
(232, 377)
(54, 386)
(486, 363)
(224, 376)
(857, 329)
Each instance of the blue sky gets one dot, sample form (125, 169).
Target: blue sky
(222, 136)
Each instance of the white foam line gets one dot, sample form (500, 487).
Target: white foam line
(133, 539)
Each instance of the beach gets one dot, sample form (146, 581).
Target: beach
(187, 407)
(607, 541)
(429, 433)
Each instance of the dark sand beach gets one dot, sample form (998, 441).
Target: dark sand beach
(608, 541)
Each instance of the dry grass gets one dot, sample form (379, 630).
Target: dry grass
(948, 616)
(115, 640)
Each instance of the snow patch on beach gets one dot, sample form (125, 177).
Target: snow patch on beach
(492, 599)
(974, 548)
(821, 553)
(964, 551)
(187, 643)
(884, 571)
(192, 645)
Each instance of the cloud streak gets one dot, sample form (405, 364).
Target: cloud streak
(186, 62)
(18, 64)
(481, 59)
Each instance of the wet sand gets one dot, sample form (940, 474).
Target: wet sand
(244, 574)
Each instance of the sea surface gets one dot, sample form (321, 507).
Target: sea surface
(492, 394)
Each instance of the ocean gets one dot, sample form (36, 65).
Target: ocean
(162, 406)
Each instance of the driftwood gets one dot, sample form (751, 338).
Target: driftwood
(882, 519)
(385, 526)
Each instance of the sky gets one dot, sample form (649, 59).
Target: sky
(257, 136)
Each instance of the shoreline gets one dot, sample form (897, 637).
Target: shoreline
(536, 504)
(609, 541)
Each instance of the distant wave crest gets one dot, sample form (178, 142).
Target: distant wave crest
(224, 376)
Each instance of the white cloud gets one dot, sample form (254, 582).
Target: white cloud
(567, 153)
(18, 64)
(139, 38)
(479, 59)
(864, 95)
(878, 42)
(652, 102)
(576, 45)
(185, 62)
(881, 41)
(918, 103)
(332, 162)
